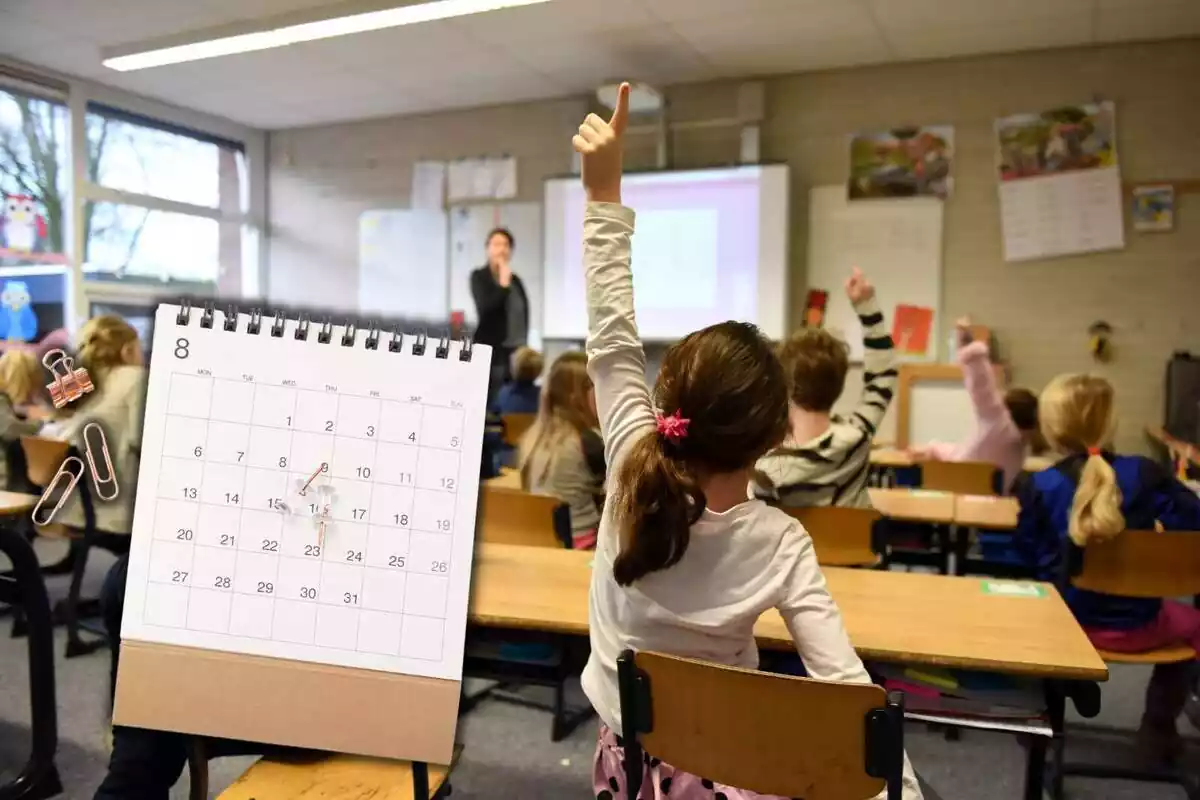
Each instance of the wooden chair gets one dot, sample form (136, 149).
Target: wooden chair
(843, 537)
(1145, 564)
(515, 426)
(43, 457)
(335, 777)
(773, 734)
(513, 516)
(960, 477)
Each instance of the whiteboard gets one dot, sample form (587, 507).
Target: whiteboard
(896, 243)
(469, 227)
(940, 411)
(402, 264)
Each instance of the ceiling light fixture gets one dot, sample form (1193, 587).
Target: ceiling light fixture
(643, 98)
(227, 42)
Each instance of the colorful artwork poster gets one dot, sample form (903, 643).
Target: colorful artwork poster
(911, 329)
(1154, 208)
(814, 308)
(24, 233)
(1061, 140)
(903, 162)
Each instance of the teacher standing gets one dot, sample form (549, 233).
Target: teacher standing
(501, 306)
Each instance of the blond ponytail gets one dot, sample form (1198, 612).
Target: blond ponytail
(1096, 509)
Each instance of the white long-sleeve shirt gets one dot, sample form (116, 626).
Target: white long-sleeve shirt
(738, 564)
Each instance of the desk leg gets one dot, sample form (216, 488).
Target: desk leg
(1035, 760)
(26, 590)
(420, 773)
(1035, 767)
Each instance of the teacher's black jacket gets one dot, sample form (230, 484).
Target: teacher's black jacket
(491, 306)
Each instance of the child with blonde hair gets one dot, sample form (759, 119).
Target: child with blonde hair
(110, 351)
(21, 382)
(562, 454)
(521, 394)
(685, 563)
(1091, 495)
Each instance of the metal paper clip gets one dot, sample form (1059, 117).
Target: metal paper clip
(90, 452)
(70, 383)
(72, 478)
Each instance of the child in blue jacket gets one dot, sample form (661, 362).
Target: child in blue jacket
(1093, 494)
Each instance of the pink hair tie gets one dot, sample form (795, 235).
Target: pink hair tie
(672, 427)
(1094, 451)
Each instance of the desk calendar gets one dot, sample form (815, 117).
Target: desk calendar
(307, 493)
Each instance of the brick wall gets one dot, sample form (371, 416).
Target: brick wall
(321, 179)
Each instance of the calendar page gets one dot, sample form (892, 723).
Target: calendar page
(307, 500)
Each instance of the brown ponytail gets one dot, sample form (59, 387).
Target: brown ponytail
(727, 382)
(656, 511)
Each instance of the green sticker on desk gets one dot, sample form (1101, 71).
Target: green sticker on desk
(1013, 589)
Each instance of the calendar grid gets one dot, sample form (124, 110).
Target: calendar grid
(233, 428)
(360, 438)
(289, 465)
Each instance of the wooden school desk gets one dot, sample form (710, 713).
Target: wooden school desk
(890, 457)
(986, 511)
(900, 617)
(915, 505)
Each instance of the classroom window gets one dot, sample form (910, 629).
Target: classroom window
(127, 242)
(34, 179)
(162, 203)
(140, 156)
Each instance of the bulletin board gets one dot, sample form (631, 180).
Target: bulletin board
(402, 264)
(897, 244)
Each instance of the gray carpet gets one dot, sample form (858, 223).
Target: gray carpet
(508, 753)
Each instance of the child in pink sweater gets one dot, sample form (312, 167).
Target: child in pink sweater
(1006, 424)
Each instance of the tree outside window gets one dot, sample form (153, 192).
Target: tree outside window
(34, 179)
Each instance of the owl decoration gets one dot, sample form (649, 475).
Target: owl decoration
(18, 322)
(23, 227)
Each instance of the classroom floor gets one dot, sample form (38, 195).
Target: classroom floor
(508, 753)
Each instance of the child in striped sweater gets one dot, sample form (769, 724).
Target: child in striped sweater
(825, 459)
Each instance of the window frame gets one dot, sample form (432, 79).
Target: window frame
(81, 96)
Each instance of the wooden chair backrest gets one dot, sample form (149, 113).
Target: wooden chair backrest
(773, 734)
(43, 457)
(959, 477)
(511, 516)
(515, 426)
(842, 537)
(1143, 564)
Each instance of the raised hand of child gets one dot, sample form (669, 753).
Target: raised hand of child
(858, 288)
(962, 328)
(599, 146)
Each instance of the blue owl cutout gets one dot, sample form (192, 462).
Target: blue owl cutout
(18, 322)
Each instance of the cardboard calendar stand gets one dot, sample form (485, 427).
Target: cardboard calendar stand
(293, 703)
(204, 681)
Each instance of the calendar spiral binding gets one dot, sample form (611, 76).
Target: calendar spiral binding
(325, 334)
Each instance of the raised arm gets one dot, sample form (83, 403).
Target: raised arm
(616, 360)
(879, 356)
(820, 635)
(978, 376)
